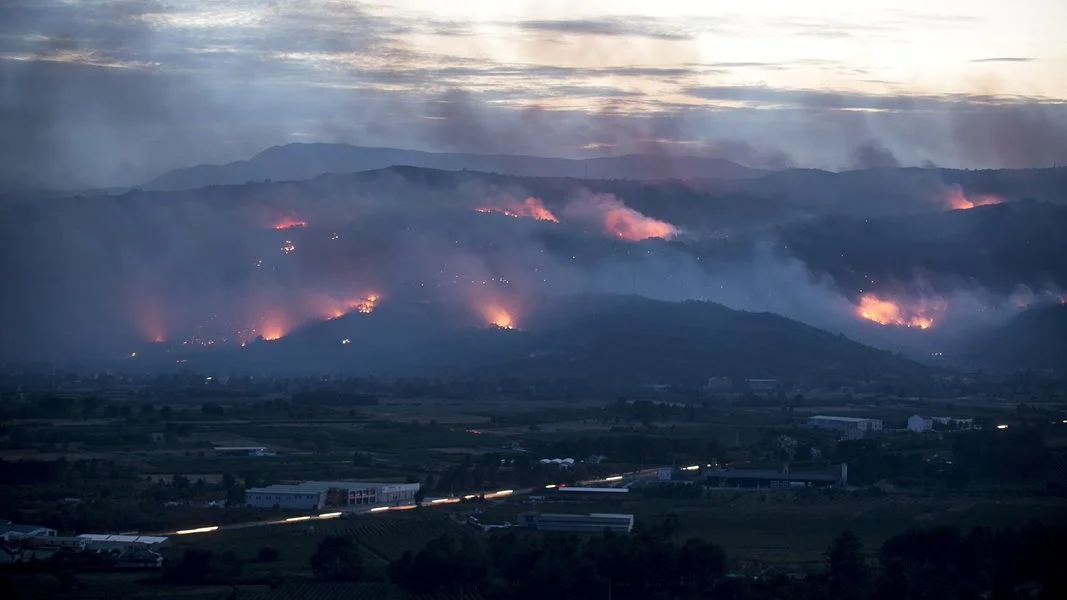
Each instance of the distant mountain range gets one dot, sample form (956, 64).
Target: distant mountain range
(614, 338)
(305, 161)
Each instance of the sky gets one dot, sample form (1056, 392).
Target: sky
(101, 93)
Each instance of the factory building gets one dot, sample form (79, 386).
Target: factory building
(921, 423)
(592, 523)
(845, 423)
(315, 495)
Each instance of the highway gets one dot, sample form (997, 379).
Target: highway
(372, 510)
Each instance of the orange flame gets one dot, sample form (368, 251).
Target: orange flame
(273, 326)
(339, 308)
(499, 317)
(889, 312)
(531, 207)
(620, 220)
(956, 199)
(288, 222)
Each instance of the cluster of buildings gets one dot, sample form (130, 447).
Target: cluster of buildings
(921, 424)
(316, 495)
(856, 427)
(29, 543)
(773, 479)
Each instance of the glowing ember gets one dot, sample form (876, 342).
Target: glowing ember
(498, 317)
(288, 222)
(288, 247)
(888, 312)
(531, 207)
(957, 200)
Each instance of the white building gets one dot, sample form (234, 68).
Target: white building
(920, 423)
(315, 495)
(845, 423)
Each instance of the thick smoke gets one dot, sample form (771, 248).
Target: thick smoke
(103, 276)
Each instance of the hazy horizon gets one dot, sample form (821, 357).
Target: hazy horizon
(114, 93)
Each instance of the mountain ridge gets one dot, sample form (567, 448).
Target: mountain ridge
(299, 161)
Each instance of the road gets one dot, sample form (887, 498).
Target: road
(620, 478)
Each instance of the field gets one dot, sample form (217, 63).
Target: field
(382, 537)
(797, 527)
(147, 464)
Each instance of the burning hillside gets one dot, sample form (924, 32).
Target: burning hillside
(498, 317)
(288, 222)
(955, 198)
(531, 208)
(617, 219)
(885, 311)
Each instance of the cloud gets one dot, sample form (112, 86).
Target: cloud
(611, 26)
(1004, 59)
(116, 92)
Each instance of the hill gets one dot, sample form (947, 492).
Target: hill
(294, 162)
(1035, 339)
(997, 247)
(610, 337)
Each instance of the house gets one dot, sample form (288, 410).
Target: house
(11, 531)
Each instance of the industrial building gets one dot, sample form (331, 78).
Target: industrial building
(315, 495)
(592, 523)
(845, 423)
(920, 423)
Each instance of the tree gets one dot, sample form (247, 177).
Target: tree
(337, 559)
(848, 572)
(266, 554)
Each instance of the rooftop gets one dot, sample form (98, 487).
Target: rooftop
(9, 527)
(133, 539)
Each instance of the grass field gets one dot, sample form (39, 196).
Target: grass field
(383, 538)
(788, 527)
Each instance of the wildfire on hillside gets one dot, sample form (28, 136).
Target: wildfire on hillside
(288, 222)
(956, 199)
(338, 308)
(531, 207)
(498, 317)
(884, 311)
(620, 220)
